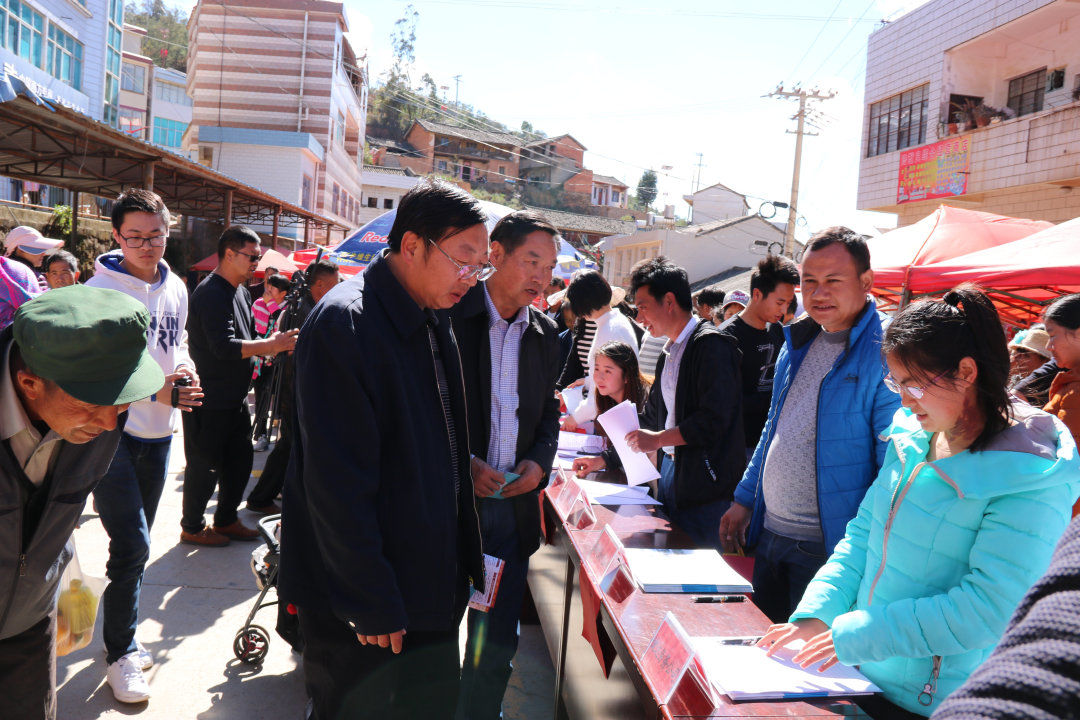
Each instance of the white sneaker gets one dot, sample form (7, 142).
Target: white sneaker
(146, 658)
(127, 681)
(262, 444)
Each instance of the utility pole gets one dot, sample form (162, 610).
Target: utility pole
(697, 182)
(457, 88)
(800, 116)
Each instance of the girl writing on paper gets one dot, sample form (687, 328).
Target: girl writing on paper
(617, 378)
(975, 491)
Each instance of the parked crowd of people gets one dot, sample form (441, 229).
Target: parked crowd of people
(901, 481)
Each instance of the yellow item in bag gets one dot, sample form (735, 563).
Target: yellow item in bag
(78, 604)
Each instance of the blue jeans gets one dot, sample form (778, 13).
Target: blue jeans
(127, 499)
(701, 523)
(493, 636)
(783, 567)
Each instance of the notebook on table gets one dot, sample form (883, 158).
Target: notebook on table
(684, 571)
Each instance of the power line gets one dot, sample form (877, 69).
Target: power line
(623, 10)
(836, 47)
(816, 38)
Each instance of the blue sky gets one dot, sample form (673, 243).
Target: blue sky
(644, 84)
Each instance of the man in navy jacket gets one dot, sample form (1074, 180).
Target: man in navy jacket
(379, 530)
(510, 354)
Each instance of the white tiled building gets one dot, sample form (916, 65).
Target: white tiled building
(383, 189)
(929, 68)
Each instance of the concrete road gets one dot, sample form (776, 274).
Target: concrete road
(194, 600)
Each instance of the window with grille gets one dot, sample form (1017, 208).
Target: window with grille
(1026, 92)
(898, 122)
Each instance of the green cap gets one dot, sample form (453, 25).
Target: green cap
(91, 342)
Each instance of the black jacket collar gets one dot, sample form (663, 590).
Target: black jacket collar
(406, 316)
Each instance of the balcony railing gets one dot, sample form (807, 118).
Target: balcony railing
(459, 150)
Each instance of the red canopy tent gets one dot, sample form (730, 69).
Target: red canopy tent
(1022, 276)
(898, 256)
(270, 258)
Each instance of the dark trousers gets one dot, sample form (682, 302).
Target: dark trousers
(783, 567)
(493, 636)
(349, 681)
(127, 500)
(701, 523)
(219, 454)
(273, 475)
(28, 673)
(262, 388)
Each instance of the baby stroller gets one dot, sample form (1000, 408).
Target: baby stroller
(252, 641)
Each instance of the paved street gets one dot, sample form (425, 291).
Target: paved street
(193, 602)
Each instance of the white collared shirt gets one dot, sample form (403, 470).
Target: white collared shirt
(669, 378)
(35, 453)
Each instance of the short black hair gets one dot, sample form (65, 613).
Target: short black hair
(661, 276)
(511, 230)
(558, 282)
(434, 210)
(321, 268)
(712, 295)
(771, 271)
(59, 255)
(852, 241)
(588, 292)
(1065, 311)
(235, 238)
(279, 282)
(138, 200)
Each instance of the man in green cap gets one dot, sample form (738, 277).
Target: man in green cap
(70, 364)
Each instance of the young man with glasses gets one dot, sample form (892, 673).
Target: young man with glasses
(217, 435)
(821, 446)
(127, 497)
(378, 509)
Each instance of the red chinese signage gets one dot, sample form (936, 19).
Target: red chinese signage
(934, 171)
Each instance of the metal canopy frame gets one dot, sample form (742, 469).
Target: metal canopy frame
(56, 146)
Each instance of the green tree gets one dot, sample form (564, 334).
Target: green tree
(646, 190)
(166, 32)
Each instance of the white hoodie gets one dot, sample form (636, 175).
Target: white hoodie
(166, 340)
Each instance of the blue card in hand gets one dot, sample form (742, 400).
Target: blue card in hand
(510, 477)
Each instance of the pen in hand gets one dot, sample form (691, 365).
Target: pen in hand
(719, 598)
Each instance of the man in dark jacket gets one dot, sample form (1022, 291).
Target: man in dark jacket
(510, 354)
(217, 435)
(72, 362)
(694, 411)
(379, 525)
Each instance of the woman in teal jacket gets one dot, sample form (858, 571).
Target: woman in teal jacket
(974, 493)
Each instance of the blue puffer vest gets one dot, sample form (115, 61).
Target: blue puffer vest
(854, 409)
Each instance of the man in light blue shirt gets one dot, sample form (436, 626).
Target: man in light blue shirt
(511, 358)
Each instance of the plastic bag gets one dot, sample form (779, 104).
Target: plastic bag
(77, 606)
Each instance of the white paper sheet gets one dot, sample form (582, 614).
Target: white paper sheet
(747, 673)
(578, 443)
(602, 493)
(617, 422)
(573, 397)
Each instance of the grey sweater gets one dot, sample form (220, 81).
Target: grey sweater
(789, 479)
